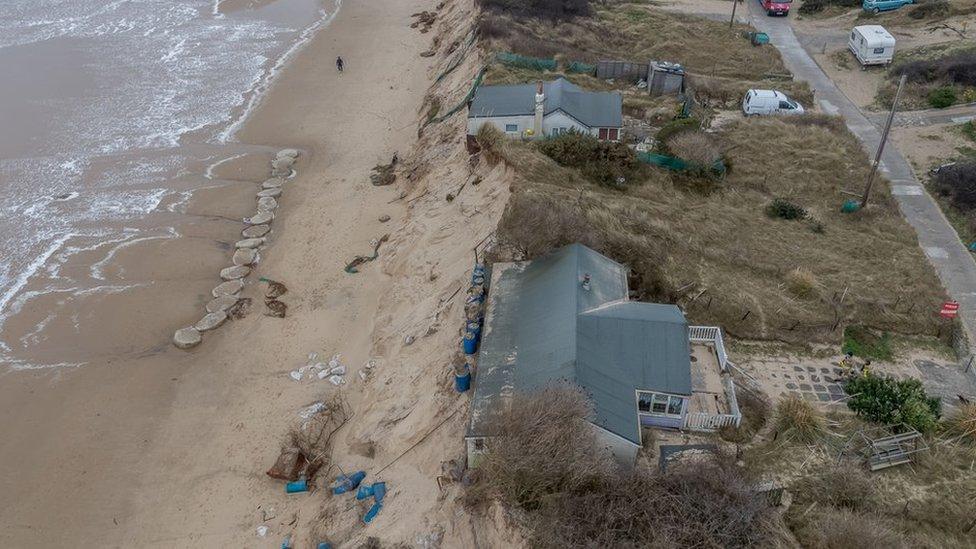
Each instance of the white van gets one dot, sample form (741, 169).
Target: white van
(769, 102)
(872, 45)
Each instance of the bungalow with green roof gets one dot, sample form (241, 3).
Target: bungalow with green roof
(567, 317)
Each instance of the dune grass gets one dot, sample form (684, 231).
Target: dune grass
(711, 248)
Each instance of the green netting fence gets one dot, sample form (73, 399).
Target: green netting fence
(535, 63)
(464, 102)
(676, 164)
(582, 68)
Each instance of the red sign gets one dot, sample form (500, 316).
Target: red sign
(949, 309)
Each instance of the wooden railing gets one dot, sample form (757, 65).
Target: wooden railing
(701, 421)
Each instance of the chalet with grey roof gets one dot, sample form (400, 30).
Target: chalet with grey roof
(567, 317)
(546, 109)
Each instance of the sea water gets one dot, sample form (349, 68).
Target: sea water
(104, 105)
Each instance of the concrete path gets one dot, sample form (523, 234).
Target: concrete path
(952, 261)
(953, 115)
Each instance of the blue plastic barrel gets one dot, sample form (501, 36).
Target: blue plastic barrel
(470, 343)
(324, 545)
(300, 485)
(348, 483)
(379, 490)
(463, 382)
(371, 514)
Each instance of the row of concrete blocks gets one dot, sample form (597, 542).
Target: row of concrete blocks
(256, 228)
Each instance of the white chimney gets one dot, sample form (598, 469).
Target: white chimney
(540, 110)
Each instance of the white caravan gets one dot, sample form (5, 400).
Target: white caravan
(872, 45)
(769, 102)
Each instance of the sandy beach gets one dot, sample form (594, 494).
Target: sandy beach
(169, 448)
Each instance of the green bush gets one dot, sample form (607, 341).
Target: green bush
(890, 401)
(784, 209)
(941, 98)
(861, 341)
(603, 162)
(672, 129)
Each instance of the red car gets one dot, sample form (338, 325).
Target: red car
(776, 7)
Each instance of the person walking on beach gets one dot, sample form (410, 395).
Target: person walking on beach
(339, 64)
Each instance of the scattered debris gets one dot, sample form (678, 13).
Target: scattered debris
(384, 218)
(383, 175)
(348, 483)
(275, 289)
(425, 20)
(239, 309)
(275, 308)
(287, 467)
(359, 259)
(262, 531)
(408, 340)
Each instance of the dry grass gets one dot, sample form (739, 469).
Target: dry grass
(801, 283)
(962, 422)
(545, 462)
(797, 420)
(868, 267)
(696, 147)
(721, 72)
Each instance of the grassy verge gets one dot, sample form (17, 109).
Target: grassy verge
(631, 31)
(713, 249)
(938, 76)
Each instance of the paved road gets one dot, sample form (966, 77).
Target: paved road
(953, 263)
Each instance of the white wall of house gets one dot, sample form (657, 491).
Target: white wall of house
(562, 122)
(513, 126)
(622, 449)
(516, 126)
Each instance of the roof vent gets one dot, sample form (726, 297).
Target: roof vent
(586, 281)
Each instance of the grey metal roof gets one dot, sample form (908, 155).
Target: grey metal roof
(541, 325)
(594, 109)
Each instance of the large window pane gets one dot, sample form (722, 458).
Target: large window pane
(674, 406)
(644, 402)
(660, 404)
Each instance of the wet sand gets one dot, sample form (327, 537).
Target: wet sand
(147, 445)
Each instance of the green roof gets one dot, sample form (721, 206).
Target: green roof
(542, 325)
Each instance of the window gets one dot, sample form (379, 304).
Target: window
(853, 36)
(784, 105)
(659, 404)
(511, 127)
(603, 134)
(613, 134)
(879, 50)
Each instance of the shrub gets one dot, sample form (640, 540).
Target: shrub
(861, 341)
(672, 129)
(797, 420)
(544, 460)
(958, 184)
(696, 148)
(929, 10)
(841, 529)
(543, 445)
(784, 209)
(534, 224)
(801, 282)
(556, 9)
(942, 97)
(889, 401)
(817, 6)
(962, 423)
(956, 68)
(843, 486)
(602, 162)
(755, 413)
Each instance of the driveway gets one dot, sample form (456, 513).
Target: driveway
(939, 241)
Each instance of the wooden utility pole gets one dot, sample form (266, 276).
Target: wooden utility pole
(881, 146)
(732, 20)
